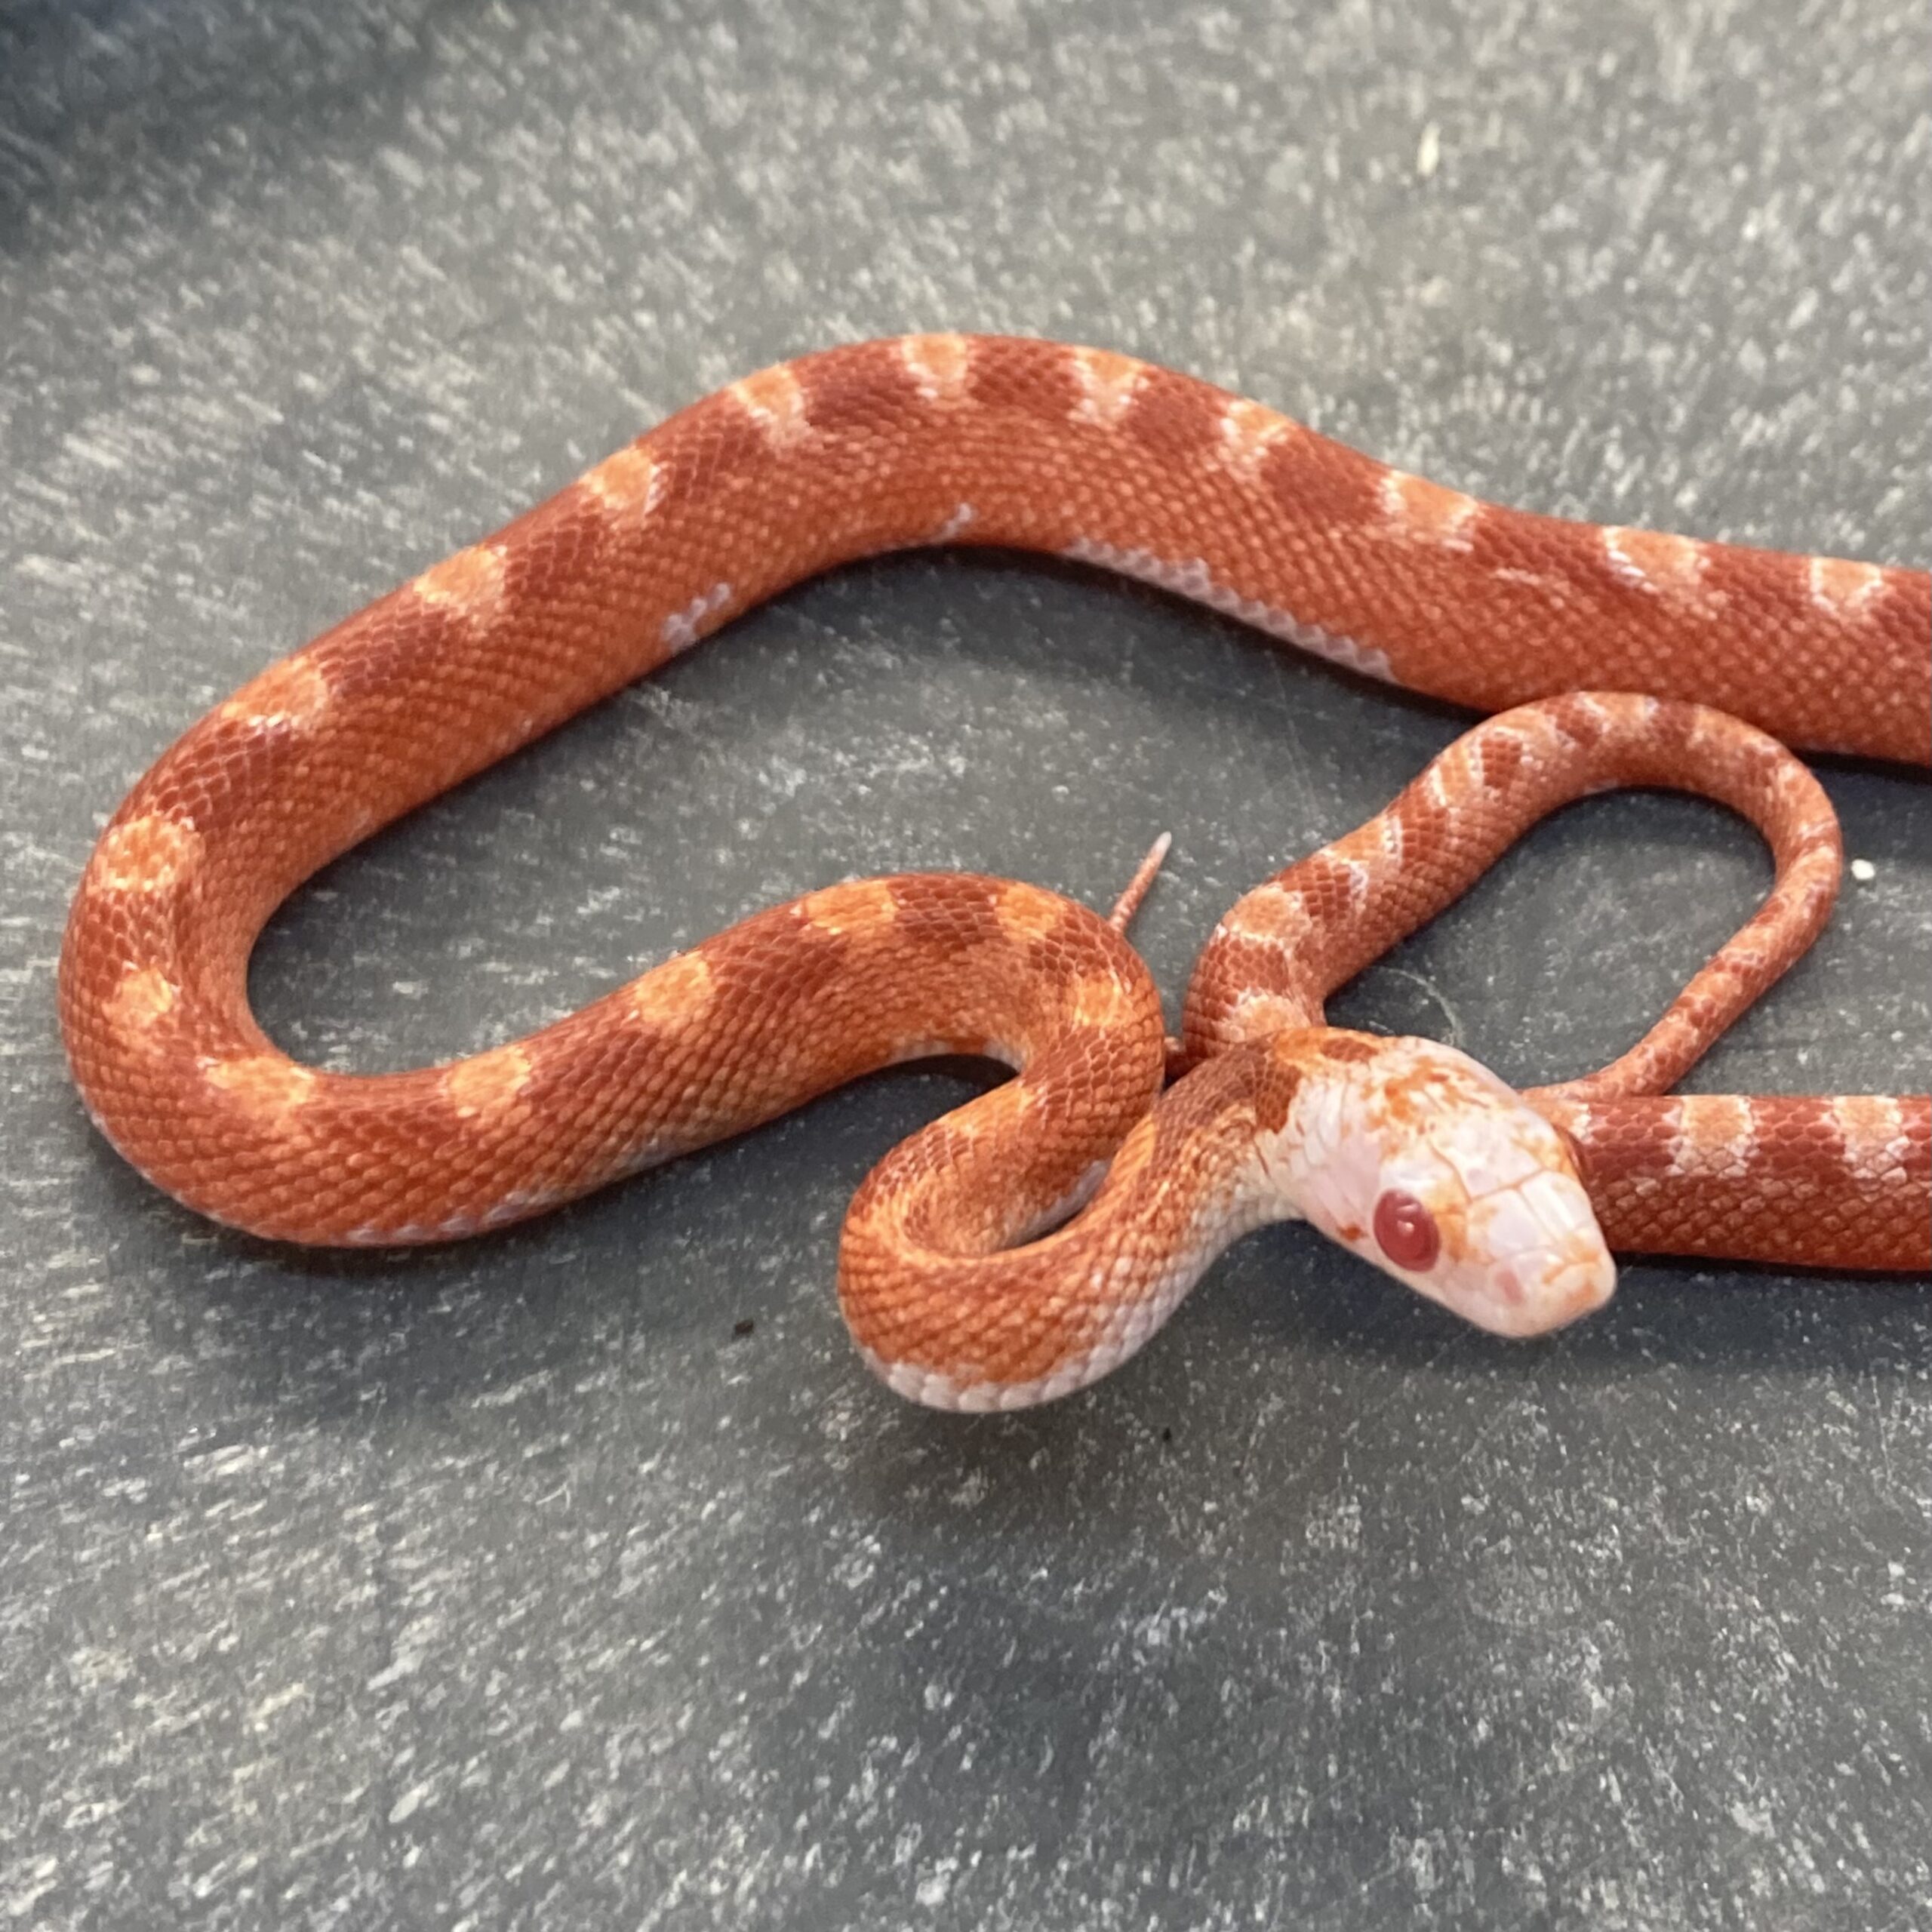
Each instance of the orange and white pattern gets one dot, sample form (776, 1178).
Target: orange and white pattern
(1403, 1151)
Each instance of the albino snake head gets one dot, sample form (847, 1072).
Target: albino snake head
(1425, 1163)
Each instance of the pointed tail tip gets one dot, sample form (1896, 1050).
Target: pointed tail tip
(1128, 903)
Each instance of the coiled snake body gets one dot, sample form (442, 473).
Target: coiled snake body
(1499, 1205)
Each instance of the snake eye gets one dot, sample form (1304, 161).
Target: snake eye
(1405, 1231)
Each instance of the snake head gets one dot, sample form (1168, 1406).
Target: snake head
(1425, 1163)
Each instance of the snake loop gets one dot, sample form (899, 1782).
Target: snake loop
(1498, 1204)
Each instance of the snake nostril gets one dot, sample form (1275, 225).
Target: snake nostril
(1405, 1231)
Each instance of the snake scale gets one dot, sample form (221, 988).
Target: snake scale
(1031, 1240)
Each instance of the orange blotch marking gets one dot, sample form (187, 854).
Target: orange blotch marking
(487, 1083)
(859, 907)
(470, 583)
(292, 694)
(151, 854)
(1500, 757)
(1108, 384)
(1248, 431)
(1426, 512)
(629, 485)
(1843, 589)
(774, 401)
(1270, 911)
(1872, 1129)
(677, 992)
(142, 997)
(1027, 378)
(1280, 1081)
(1174, 416)
(1717, 1135)
(1672, 567)
(1347, 1049)
(1094, 998)
(939, 364)
(1325, 482)
(1259, 1016)
(1027, 913)
(268, 1083)
(865, 388)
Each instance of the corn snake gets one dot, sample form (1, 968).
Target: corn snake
(1484, 1199)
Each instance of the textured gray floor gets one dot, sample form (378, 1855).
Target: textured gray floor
(505, 1586)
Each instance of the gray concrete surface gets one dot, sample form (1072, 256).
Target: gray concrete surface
(507, 1585)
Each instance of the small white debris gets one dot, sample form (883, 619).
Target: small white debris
(408, 1803)
(1428, 151)
(1864, 870)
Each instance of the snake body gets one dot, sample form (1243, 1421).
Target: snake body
(964, 1280)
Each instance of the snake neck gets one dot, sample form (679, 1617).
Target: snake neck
(947, 1311)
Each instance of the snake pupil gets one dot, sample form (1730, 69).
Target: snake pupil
(1405, 1231)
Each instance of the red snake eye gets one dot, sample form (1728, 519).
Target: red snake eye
(1405, 1231)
